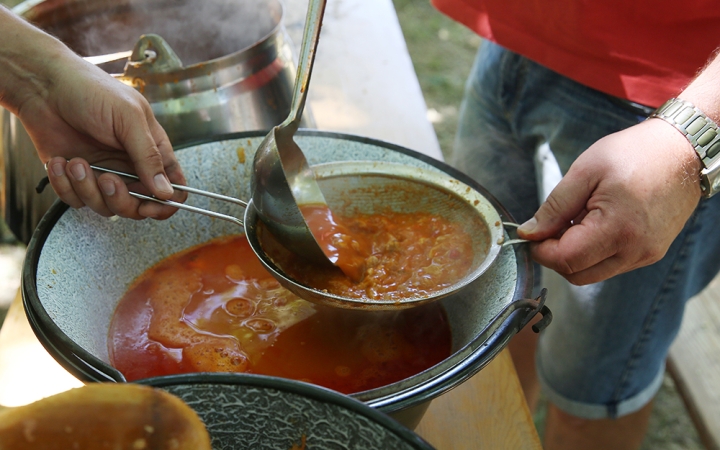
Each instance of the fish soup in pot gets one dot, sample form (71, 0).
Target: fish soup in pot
(79, 266)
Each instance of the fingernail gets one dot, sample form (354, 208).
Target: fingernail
(58, 169)
(162, 183)
(108, 187)
(78, 172)
(528, 226)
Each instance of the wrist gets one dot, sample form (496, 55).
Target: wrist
(29, 59)
(702, 134)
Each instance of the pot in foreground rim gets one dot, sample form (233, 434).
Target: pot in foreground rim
(260, 412)
(79, 264)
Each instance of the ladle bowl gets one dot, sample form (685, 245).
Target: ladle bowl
(277, 186)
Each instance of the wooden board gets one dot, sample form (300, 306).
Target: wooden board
(27, 372)
(486, 412)
(694, 363)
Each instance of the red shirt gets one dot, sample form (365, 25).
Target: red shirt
(643, 50)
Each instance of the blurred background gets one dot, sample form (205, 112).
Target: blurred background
(442, 52)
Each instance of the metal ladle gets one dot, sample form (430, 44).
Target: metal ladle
(282, 179)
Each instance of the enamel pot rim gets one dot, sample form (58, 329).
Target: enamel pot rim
(460, 366)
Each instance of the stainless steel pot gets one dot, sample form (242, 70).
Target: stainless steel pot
(207, 67)
(79, 265)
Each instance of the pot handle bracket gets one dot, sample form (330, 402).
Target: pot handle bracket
(540, 308)
(152, 54)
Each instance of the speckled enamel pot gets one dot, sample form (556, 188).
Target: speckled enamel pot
(79, 264)
(245, 411)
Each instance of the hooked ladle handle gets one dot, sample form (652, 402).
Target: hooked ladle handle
(513, 241)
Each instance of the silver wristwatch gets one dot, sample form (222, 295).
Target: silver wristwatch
(703, 135)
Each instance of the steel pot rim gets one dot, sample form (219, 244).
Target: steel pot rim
(194, 70)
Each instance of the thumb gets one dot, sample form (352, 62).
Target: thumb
(142, 147)
(564, 204)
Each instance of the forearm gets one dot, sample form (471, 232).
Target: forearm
(704, 90)
(29, 58)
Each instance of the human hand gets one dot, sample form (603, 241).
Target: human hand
(619, 207)
(87, 118)
(77, 115)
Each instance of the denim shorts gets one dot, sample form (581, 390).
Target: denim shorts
(603, 355)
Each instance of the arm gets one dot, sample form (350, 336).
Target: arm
(626, 198)
(74, 111)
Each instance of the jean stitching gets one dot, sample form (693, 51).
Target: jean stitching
(665, 289)
(513, 74)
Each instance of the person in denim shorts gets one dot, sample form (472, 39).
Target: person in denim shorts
(602, 359)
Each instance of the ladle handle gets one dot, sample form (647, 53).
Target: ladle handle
(308, 46)
(179, 187)
(513, 241)
(112, 57)
(178, 205)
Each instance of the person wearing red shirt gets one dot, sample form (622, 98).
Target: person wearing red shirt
(631, 223)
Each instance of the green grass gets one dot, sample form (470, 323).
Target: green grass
(442, 52)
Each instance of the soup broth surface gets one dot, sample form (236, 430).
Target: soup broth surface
(214, 308)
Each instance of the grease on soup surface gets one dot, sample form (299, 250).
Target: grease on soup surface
(215, 308)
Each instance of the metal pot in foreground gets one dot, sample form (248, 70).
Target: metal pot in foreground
(79, 265)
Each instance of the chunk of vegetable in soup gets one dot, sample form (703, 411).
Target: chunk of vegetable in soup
(389, 256)
(215, 308)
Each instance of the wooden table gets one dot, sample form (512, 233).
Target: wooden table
(363, 83)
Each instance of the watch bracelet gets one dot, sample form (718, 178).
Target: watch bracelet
(702, 133)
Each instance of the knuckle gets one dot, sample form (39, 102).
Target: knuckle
(555, 203)
(152, 156)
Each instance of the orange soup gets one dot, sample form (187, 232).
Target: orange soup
(389, 256)
(214, 308)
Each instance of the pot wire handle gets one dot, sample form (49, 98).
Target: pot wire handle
(188, 189)
(513, 241)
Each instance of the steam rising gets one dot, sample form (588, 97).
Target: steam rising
(197, 30)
